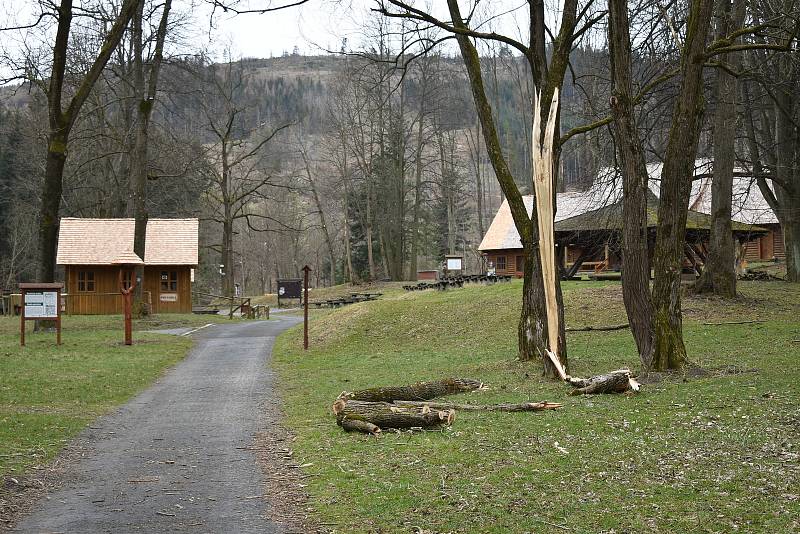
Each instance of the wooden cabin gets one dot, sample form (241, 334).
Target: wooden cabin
(590, 239)
(90, 252)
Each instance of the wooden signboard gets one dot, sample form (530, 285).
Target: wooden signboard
(40, 302)
(290, 288)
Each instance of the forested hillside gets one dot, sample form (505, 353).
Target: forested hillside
(381, 168)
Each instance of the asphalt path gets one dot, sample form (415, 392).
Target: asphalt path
(180, 456)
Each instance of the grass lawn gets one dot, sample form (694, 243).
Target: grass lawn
(49, 393)
(715, 453)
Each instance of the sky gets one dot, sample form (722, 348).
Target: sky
(313, 28)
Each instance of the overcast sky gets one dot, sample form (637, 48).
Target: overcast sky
(313, 28)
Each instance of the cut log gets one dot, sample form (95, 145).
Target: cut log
(614, 382)
(385, 415)
(356, 425)
(419, 391)
(519, 407)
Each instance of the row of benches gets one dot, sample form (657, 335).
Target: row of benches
(458, 281)
(341, 301)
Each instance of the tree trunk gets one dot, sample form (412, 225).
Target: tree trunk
(719, 273)
(791, 242)
(676, 183)
(51, 203)
(419, 391)
(144, 97)
(227, 258)
(61, 121)
(532, 328)
(636, 266)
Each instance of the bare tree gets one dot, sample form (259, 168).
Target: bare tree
(547, 71)
(144, 88)
(62, 119)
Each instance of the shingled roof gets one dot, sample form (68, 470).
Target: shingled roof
(103, 241)
(601, 202)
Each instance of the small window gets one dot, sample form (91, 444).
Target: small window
(520, 264)
(169, 280)
(86, 281)
(501, 263)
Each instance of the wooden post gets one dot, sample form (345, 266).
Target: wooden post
(21, 317)
(127, 302)
(306, 269)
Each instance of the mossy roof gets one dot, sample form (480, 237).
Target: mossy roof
(610, 218)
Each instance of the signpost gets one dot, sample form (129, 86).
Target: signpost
(127, 262)
(40, 302)
(306, 270)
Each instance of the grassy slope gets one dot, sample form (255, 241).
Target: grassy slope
(48, 393)
(712, 454)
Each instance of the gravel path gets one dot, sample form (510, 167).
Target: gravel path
(179, 457)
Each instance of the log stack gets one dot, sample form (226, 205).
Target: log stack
(400, 407)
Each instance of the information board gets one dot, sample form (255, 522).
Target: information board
(41, 305)
(40, 302)
(454, 264)
(290, 288)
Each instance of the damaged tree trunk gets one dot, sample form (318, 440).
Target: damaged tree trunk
(419, 391)
(386, 415)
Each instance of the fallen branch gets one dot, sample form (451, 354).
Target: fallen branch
(418, 391)
(598, 328)
(503, 407)
(733, 322)
(619, 381)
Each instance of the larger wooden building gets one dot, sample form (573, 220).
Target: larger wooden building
(95, 253)
(588, 224)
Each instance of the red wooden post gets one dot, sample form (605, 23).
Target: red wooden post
(127, 297)
(306, 269)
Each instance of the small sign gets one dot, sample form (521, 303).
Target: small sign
(40, 301)
(168, 297)
(290, 289)
(454, 263)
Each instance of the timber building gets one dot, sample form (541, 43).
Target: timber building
(97, 253)
(588, 224)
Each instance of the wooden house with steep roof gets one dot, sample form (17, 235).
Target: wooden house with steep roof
(97, 253)
(588, 226)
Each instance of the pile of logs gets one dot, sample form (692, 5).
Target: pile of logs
(398, 407)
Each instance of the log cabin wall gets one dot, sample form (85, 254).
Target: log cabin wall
(94, 289)
(767, 247)
(170, 288)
